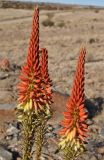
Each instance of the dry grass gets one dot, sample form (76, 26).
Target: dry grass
(63, 43)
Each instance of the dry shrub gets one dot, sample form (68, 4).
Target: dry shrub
(92, 40)
(61, 24)
(95, 19)
(97, 10)
(48, 23)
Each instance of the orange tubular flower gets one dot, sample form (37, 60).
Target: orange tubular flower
(30, 95)
(46, 82)
(75, 128)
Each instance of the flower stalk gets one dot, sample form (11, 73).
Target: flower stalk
(45, 115)
(74, 125)
(35, 95)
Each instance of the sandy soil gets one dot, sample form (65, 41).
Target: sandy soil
(71, 30)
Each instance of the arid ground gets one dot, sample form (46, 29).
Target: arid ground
(63, 33)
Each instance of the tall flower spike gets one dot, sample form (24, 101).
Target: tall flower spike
(33, 51)
(46, 82)
(34, 95)
(74, 124)
(30, 86)
(47, 97)
(31, 69)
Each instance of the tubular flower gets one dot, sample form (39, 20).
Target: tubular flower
(30, 85)
(75, 128)
(46, 82)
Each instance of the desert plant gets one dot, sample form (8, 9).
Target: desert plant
(61, 24)
(48, 23)
(74, 124)
(35, 98)
(35, 95)
(47, 93)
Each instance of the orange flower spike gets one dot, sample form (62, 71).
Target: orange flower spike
(29, 87)
(33, 51)
(76, 114)
(47, 83)
(44, 66)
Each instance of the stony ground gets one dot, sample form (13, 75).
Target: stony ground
(62, 33)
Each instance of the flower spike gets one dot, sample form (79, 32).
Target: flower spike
(33, 51)
(74, 124)
(46, 82)
(35, 95)
(30, 85)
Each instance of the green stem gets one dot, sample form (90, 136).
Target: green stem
(28, 135)
(39, 139)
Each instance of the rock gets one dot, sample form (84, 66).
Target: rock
(53, 147)
(100, 150)
(4, 64)
(93, 158)
(18, 158)
(4, 154)
(94, 128)
(57, 127)
(12, 132)
(99, 156)
(3, 75)
(102, 132)
(50, 127)
(90, 122)
(49, 135)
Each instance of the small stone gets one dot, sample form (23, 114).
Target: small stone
(99, 156)
(12, 130)
(45, 150)
(93, 158)
(52, 146)
(100, 150)
(4, 64)
(4, 154)
(49, 135)
(43, 158)
(18, 158)
(12, 133)
(50, 127)
(90, 122)
(3, 75)
(102, 132)
(57, 127)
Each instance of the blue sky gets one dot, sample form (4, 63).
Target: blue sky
(84, 2)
